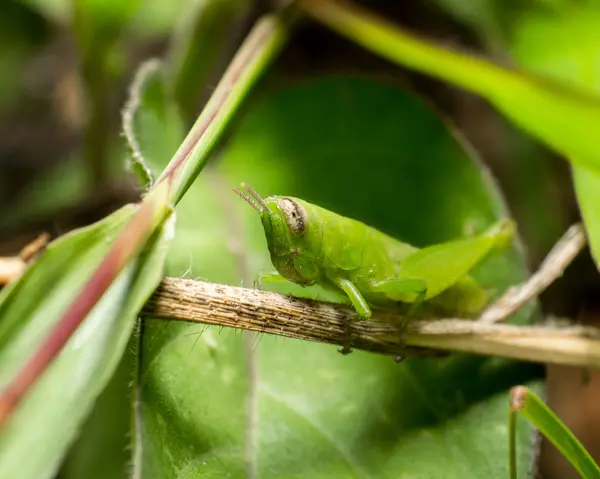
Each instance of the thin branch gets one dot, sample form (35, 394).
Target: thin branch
(272, 313)
(552, 268)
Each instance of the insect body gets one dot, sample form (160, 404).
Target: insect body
(311, 245)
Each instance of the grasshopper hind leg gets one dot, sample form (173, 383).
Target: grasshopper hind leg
(404, 323)
(399, 289)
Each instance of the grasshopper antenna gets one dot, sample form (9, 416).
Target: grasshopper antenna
(249, 200)
(254, 199)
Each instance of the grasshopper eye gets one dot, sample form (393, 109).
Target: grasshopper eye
(295, 215)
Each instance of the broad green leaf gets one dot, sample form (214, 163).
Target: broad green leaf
(59, 402)
(567, 47)
(103, 446)
(216, 402)
(552, 112)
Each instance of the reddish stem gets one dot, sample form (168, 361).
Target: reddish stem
(238, 65)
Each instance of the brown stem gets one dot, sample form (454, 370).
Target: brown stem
(272, 313)
(552, 268)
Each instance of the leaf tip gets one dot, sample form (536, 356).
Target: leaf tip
(518, 398)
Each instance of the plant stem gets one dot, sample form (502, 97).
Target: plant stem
(97, 130)
(260, 47)
(272, 313)
(561, 256)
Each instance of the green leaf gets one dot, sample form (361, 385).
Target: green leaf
(103, 446)
(218, 403)
(151, 123)
(535, 410)
(552, 112)
(59, 402)
(566, 47)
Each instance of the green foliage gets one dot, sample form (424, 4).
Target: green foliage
(151, 122)
(199, 40)
(286, 408)
(553, 112)
(569, 52)
(533, 408)
(215, 403)
(30, 307)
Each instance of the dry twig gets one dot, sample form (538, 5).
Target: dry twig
(273, 313)
(11, 267)
(552, 268)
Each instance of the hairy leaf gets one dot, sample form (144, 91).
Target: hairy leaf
(59, 402)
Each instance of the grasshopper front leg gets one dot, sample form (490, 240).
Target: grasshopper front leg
(394, 289)
(356, 298)
(360, 306)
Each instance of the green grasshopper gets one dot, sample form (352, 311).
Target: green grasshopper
(311, 245)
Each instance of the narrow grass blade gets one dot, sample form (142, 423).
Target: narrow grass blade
(525, 402)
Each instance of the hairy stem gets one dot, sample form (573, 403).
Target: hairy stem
(272, 313)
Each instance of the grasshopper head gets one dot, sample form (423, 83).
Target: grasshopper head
(285, 221)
